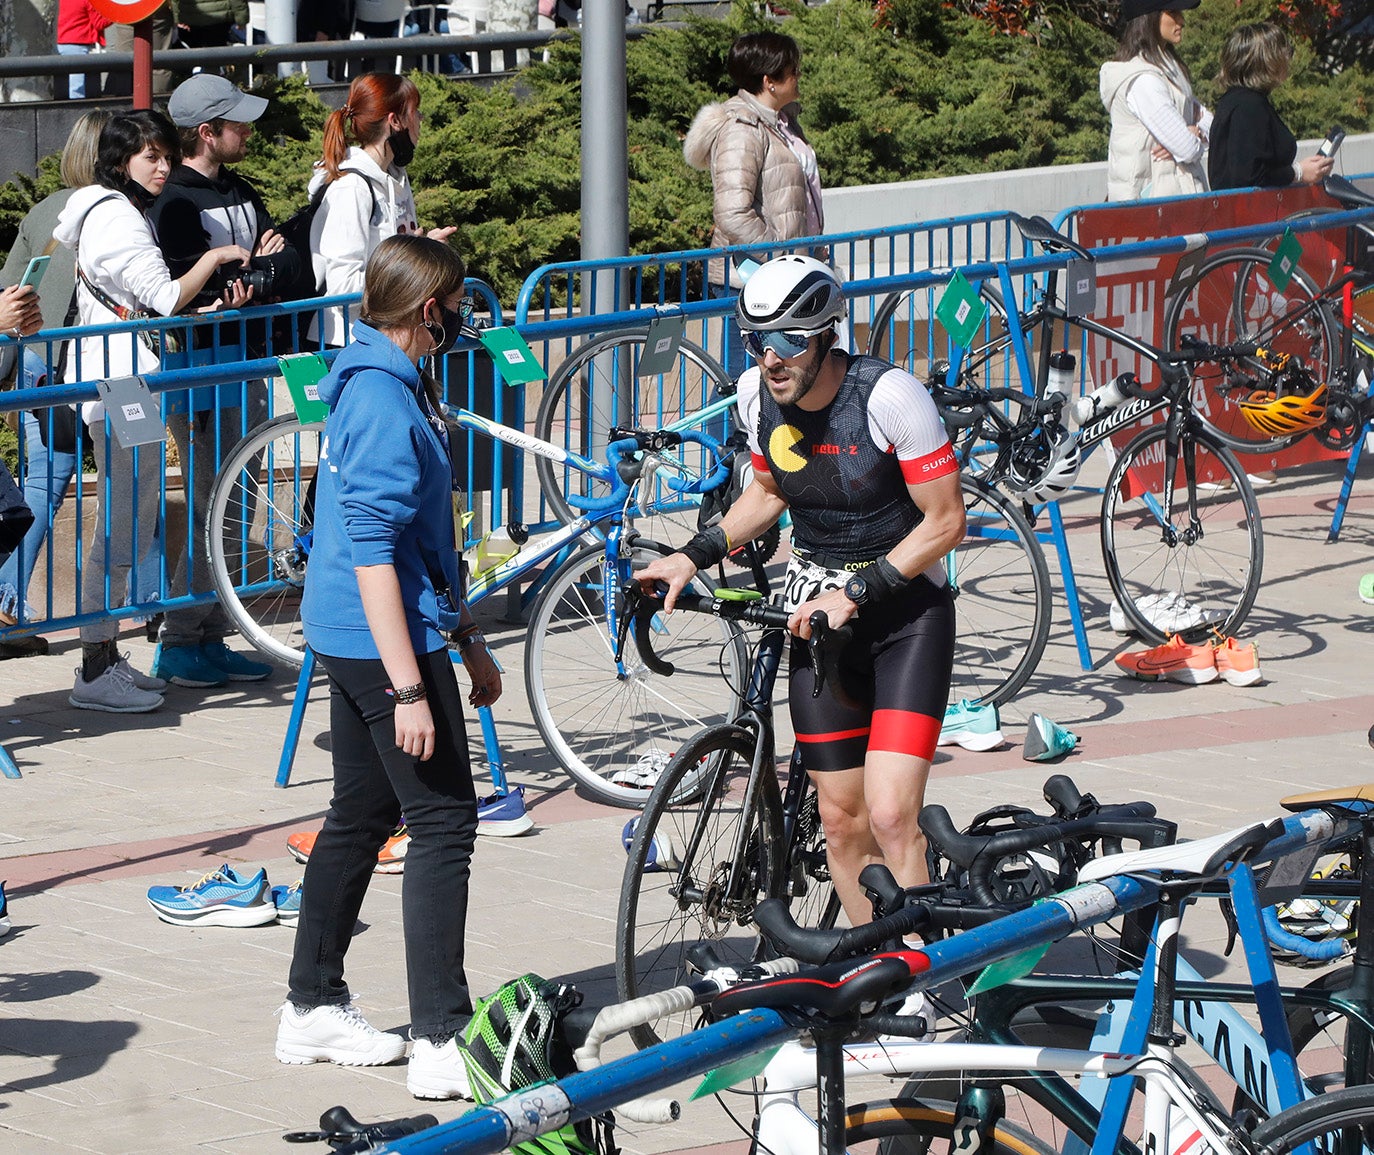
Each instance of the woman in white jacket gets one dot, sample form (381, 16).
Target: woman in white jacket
(121, 271)
(1158, 142)
(367, 145)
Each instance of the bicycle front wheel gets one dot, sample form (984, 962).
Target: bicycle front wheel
(696, 869)
(1003, 600)
(914, 1127)
(810, 888)
(1234, 298)
(1340, 1121)
(600, 386)
(613, 728)
(1198, 567)
(257, 533)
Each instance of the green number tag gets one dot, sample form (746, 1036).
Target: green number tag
(733, 1074)
(1285, 262)
(961, 312)
(515, 360)
(303, 373)
(1005, 970)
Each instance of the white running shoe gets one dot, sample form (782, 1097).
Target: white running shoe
(1170, 613)
(113, 692)
(914, 1005)
(141, 680)
(334, 1034)
(645, 773)
(437, 1072)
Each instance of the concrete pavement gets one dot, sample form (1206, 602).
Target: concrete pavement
(119, 1033)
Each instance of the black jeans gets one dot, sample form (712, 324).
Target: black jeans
(374, 784)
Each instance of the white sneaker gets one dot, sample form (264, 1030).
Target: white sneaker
(914, 1005)
(334, 1034)
(645, 773)
(141, 680)
(437, 1072)
(113, 692)
(1170, 613)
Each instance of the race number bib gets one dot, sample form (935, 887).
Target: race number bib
(806, 580)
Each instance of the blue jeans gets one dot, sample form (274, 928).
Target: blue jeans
(733, 358)
(46, 477)
(76, 82)
(374, 783)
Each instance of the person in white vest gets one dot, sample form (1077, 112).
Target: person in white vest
(1158, 144)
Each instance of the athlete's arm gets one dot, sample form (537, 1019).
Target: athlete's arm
(757, 508)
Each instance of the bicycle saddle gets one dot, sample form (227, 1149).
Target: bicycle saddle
(1044, 234)
(1203, 858)
(835, 991)
(1357, 799)
(1342, 190)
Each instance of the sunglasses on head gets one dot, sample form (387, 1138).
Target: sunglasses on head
(784, 344)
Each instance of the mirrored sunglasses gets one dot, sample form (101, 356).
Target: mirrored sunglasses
(784, 344)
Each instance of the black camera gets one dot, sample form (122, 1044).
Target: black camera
(258, 280)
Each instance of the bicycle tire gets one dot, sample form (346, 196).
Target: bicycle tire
(1215, 571)
(919, 1127)
(1003, 599)
(655, 927)
(898, 317)
(599, 722)
(1233, 298)
(597, 374)
(258, 508)
(1344, 1114)
(1315, 1029)
(810, 890)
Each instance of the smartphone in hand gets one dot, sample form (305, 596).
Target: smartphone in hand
(1334, 136)
(34, 273)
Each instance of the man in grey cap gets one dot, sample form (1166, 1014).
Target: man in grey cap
(203, 205)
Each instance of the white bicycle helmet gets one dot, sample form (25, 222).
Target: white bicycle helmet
(1046, 474)
(799, 294)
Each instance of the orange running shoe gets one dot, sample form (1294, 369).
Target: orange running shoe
(391, 859)
(1238, 664)
(1175, 660)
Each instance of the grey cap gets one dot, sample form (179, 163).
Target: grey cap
(204, 98)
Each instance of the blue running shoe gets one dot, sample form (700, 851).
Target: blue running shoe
(4, 913)
(185, 666)
(234, 666)
(972, 726)
(661, 855)
(1046, 740)
(287, 900)
(222, 898)
(503, 815)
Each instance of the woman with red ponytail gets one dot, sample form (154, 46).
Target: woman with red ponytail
(366, 193)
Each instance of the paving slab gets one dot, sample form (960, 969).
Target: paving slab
(119, 1033)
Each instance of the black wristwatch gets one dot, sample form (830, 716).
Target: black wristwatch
(856, 590)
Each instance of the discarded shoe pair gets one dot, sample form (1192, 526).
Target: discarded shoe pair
(1194, 665)
(224, 897)
(977, 726)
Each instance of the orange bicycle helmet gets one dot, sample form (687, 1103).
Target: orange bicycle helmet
(1286, 414)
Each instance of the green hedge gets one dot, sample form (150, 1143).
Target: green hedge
(932, 92)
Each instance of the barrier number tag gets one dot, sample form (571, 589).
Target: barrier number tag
(1285, 262)
(303, 373)
(661, 345)
(134, 415)
(1080, 297)
(961, 312)
(514, 359)
(733, 1074)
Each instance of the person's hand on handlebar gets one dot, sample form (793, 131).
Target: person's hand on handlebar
(837, 608)
(674, 571)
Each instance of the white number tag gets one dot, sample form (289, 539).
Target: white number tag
(806, 580)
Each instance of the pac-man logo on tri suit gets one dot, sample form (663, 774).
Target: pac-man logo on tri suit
(782, 449)
(126, 11)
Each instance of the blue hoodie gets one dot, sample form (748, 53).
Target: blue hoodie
(383, 496)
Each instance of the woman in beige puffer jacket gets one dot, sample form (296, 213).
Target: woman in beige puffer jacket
(765, 183)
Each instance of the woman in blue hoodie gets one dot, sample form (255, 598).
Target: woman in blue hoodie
(382, 589)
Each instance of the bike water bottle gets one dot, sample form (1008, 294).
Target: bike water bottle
(1062, 379)
(1088, 409)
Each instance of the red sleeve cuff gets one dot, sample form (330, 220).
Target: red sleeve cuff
(941, 463)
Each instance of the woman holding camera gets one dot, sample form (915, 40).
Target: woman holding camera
(120, 273)
(382, 590)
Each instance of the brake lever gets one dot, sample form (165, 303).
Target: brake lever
(815, 649)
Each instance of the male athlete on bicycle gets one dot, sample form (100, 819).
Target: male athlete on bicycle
(855, 449)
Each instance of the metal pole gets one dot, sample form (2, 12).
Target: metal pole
(143, 63)
(605, 175)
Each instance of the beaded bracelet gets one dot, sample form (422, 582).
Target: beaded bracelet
(409, 695)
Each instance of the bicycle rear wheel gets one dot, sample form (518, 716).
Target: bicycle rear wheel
(1234, 298)
(1192, 575)
(696, 869)
(1003, 599)
(1342, 1120)
(613, 729)
(810, 889)
(257, 533)
(599, 386)
(914, 1127)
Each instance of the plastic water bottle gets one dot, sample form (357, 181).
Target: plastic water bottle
(1062, 379)
(1088, 409)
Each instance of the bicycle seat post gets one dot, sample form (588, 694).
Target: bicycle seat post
(830, 1106)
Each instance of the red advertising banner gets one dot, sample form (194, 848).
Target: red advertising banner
(1131, 294)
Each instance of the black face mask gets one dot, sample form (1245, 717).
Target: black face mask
(450, 325)
(402, 147)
